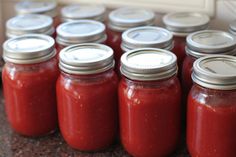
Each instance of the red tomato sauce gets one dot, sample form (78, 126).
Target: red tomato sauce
(30, 97)
(149, 120)
(211, 124)
(87, 109)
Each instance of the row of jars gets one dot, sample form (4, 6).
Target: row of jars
(89, 101)
(148, 84)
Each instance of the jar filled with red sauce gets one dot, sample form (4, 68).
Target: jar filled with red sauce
(211, 123)
(87, 97)
(146, 37)
(29, 81)
(181, 24)
(149, 102)
(78, 32)
(83, 11)
(203, 43)
(122, 19)
(38, 7)
(28, 24)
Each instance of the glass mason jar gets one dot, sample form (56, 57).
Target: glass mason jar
(87, 97)
(29, 81)
(203, 43)
(122, 19)
(150, 118)
(181, 24)
(83, 11)
(78, 32)
(28, 24)
(211, 123)
(146, 37)
(38, 7)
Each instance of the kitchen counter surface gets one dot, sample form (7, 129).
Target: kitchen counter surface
(14, 145)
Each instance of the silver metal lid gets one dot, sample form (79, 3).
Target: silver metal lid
(232, 27)
(210, 42)
(147, 36)
(148, 64)
(215, 72)
(33, 7)
(81, 31)
(83, 11)
(30, 23)
(183, 23)
(124, 18)
(28, 49)
(84, 59)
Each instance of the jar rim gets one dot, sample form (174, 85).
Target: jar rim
(186, 22)
(28, 24)
(28, 49)
(211, 41)
(147, 36)
(32, 7)
(148, 64)
(85, 59)
(92, 12)
(120, 21)
(90, 31)
(215, 72)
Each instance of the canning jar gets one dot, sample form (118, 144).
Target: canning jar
(87, 97)
(122, 19)
(181, 24)
(150, 118)
(29, 81)
(211, 120)
(78, 32)
(83, 11)
(28, 24)
(38, 7)
(203, 43)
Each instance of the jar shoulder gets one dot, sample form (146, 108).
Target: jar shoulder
(157, 87)
(212, 97)
(90, 81)
(46, 69)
